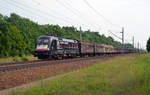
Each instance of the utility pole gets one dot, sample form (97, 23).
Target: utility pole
(80, 33)
(122, 37)
(133, 41)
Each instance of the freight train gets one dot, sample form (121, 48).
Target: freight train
(51, 47)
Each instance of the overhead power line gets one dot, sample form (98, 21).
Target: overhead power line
(127, 41)
(39, 4)
(74, 11)
(3, 9)
(78, 13)
(24, 9)
(115, 35)
(47, 15)
(62, 4)
(99, 14)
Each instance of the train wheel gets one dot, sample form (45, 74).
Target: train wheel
(60, 57)
(42, 57)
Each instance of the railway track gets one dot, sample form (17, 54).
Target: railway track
(7, 67)
(15, 63)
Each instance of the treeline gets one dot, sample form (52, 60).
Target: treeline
(18, 35)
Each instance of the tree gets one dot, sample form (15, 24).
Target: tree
(128, 45)
(148, 45)
(17, 41)
(4, 39)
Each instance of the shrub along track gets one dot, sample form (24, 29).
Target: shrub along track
(17, 74)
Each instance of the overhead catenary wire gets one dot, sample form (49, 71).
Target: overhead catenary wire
(24, 9)
(103, 17)
(66, 7)
(47, 15)
(39, 4)
(126, 41)
(115, 31)
(115, 35)
(74, 11)
(3, 9)
(99, 14)
(78, 14)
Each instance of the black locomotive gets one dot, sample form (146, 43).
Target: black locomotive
(54, 47)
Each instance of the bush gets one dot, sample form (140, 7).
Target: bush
(16, 59)
(24, 59)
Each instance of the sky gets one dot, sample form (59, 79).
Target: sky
(103, 16)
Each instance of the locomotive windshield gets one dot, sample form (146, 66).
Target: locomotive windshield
(43, 41)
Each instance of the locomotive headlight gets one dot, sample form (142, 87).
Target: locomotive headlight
(42, 47)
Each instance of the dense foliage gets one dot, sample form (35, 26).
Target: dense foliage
(148, 45)
(18, 35)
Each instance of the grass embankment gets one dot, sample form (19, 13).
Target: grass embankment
(120, 76)
(17, 59)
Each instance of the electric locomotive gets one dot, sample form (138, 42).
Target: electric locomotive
(51, 47)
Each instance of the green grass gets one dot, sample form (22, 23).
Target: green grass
(120, 76)
(18, 59)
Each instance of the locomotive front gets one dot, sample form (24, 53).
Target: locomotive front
(42, 47)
